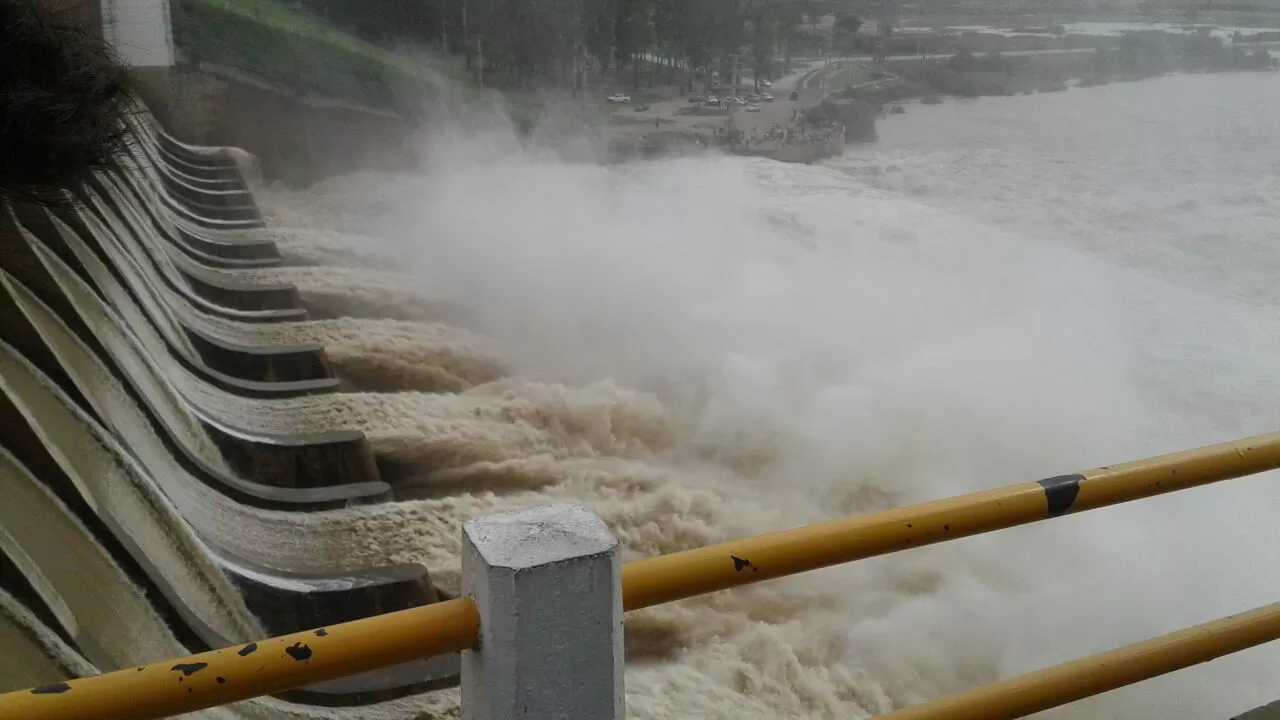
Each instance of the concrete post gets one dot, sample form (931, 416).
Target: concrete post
(547, 585)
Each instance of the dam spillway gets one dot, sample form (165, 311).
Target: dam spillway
(143, 468)
(197, 325)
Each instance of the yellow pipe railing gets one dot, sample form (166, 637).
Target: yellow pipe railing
(266, 667)
(666, 578)
(1023, 695)
(272, 666)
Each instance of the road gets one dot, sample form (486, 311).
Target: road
(778, 111)
(1011, 53)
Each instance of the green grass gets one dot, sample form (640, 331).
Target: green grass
(853, 73)
(273, 14)
(268, 39)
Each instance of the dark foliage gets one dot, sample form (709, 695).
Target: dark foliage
(1154, 53)
(848, 24)
(63, 100)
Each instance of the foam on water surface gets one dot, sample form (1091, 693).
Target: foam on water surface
(826, 341)
(704, 349)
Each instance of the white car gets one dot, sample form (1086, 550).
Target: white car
(753, 107)
(766, 83)
(619, 98)
(767, 97)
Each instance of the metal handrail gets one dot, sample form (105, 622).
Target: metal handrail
(283, 663)
(1052, 687)
(680, 575)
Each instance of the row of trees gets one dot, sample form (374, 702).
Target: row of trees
(1154, 53)
(560, 41)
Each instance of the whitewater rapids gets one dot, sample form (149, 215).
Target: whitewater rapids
(711, 348)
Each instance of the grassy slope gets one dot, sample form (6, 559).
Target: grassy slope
(275, 42)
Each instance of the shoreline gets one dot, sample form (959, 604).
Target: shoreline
(813, 98)
(679, 143)
(1131, 55)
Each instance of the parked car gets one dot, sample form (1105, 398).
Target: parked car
(642, 107)
(795, 95)
(712, 100)
(767, 97)
(766, 83)
(695, 99)
(619, 98)
(753, 98)
(753, 107)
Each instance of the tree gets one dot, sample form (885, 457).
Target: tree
(598, 21)
(663, 19)
(66, 100)
(699, 30)
(549, 39)
(844, 37)
(763, 25)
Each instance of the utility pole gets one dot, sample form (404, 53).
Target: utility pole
(579, 42)
(884, 28)
(826, 66)
(480, 60)
(444, 31)
(773, 55)
(733, 106)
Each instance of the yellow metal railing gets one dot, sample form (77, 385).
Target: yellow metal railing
(283, 663)
(1076, 680)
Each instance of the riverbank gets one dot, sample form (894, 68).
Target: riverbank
(817, 95)
(661, 121)
(1134, 56)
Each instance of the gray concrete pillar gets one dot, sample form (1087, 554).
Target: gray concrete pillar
(547, 584)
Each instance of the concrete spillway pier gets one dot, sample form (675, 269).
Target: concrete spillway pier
(124, 391)
(186, 465)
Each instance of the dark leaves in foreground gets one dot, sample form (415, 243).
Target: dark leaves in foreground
(63, 98)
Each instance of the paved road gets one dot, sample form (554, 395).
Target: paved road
(1011, 53)
(778, 111)
(1059, 51)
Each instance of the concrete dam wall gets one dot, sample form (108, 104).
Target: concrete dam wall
(151, 446)
(217, 429)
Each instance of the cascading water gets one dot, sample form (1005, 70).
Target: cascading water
(707, 348)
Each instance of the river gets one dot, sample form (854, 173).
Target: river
(997, 290)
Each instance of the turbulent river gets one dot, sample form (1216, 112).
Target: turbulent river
(996, 291)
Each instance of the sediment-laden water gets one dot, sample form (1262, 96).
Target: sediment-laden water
(700, 349)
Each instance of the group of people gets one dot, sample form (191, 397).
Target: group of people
(779, 135)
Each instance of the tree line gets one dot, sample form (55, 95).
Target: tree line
(568, 43)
